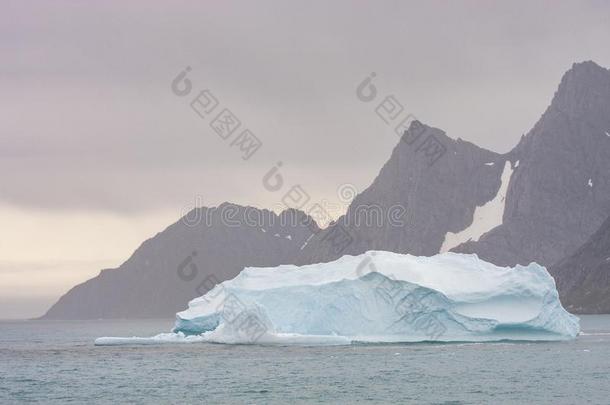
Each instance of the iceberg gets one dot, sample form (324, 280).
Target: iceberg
(376, 297)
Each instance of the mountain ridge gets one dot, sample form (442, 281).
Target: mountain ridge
(558, 194)
(217, 241)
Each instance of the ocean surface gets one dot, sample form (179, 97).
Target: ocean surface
(56, 362)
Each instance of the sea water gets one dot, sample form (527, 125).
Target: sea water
(56, 362)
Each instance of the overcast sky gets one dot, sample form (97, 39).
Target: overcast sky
(97, 153)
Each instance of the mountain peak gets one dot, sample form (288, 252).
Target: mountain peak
(587, 65)
(585, 74)
(584, 90)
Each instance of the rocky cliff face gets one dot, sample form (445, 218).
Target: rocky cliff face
(560, 192)
(416, 198)
(583, 279)
(184, 261)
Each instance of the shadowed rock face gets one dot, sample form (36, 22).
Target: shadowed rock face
(560, 192)
(150, 284)
(583, 279)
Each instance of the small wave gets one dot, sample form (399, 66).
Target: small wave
(280, 339)
(594, 334)
(162, 338)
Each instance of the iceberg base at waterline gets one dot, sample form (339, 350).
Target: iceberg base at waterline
(375, 297)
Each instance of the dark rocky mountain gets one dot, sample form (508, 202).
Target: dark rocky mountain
(159, 278)
(560, 192)
(437, 195)
(540, 202)
(583, 279)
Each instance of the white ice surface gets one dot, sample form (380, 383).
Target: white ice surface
(375, 297)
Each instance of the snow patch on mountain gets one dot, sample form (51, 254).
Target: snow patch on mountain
(485, 217)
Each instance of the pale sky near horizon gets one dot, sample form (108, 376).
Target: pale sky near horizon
(97, 154)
